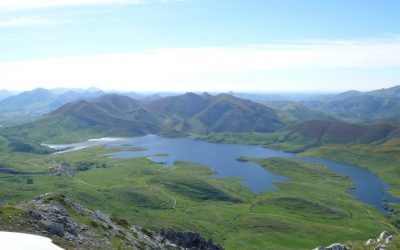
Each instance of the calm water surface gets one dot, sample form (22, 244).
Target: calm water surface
(222, 159)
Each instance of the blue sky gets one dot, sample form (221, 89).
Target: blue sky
(200, 45)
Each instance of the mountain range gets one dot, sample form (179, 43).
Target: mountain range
(30, 105)
(118, 115)
(74, 115)
(4, 94)
(316, 133)
(221, 113)
(355, 106)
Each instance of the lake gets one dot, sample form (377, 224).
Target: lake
(222, 159)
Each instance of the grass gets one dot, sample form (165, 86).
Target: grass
(312, 209)
(360, 245)
(380, 159)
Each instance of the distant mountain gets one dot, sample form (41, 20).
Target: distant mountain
(71, 96)
(282, 96)
(151, 98)
(356, 106)
(221, 113)
(389, 92)
(108, 115)
(117, 115)
(33, 101)
(294, 112)
(59, 91)
(316, 133)
(30, 105)
(347, 94)
(340, 132)
(182, 106)
(4, 94)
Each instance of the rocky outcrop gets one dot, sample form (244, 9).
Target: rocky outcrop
(381, 242)
(189, 240)
(72, 226)
(335, 246)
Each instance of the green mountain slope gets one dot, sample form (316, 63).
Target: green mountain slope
(294, 112)
(182, 106)
(315, 133)
(31, 105)
(221, 113)
(117, 115)
(109, 115)
(343, 133)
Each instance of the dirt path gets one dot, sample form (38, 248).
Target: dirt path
(84, 182)
(27, 162)
(395, 230)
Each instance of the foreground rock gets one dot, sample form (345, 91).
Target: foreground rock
(381, 243)
(72, 226)
(335, 246)
(189, 240)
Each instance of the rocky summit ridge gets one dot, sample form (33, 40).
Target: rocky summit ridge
(72, 226)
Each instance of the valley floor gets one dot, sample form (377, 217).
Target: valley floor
(312, 209)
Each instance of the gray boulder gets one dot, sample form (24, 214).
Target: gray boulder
(388, 239)
(335, 246)
(189, 240)
(369, 242)
(380, 247)
(383, 236)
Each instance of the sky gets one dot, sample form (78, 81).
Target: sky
(200, 45)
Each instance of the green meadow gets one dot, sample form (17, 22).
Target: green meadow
(311, 209)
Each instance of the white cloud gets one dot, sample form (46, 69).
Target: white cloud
(26, 21)
(10, 5)
(194, 68)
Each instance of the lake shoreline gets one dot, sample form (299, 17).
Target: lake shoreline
(361, 177)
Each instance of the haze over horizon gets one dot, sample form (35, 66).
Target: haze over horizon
(62, 89)
(200, 45)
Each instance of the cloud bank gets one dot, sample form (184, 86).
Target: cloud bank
(205, 68)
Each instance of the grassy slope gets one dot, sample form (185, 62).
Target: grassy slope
(109, 115)
(312, 134)
(313, 209)
(191, 113)
(380, 159)
(360, 245)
